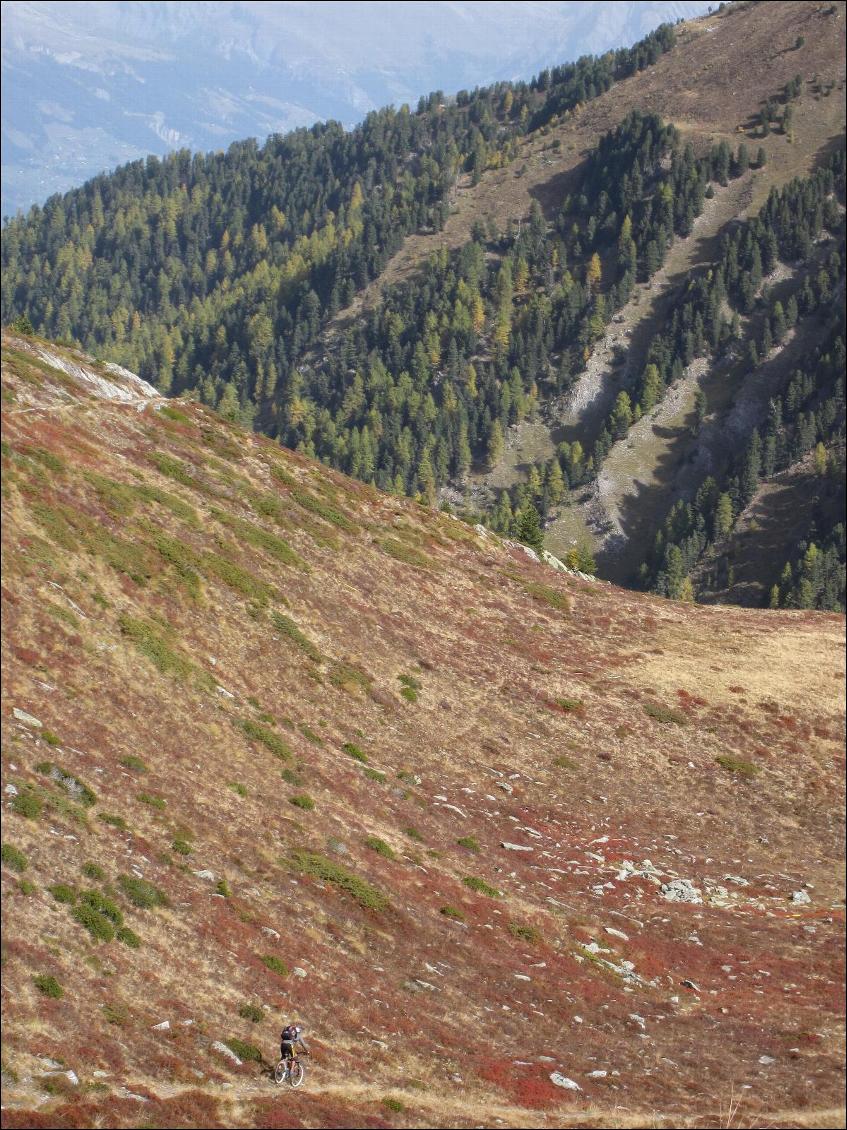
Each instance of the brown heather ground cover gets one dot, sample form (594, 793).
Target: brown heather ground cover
(197, 658)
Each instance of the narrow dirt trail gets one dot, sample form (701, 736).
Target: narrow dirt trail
(238, 1098)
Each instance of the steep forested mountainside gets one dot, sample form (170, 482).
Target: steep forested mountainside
(610, 296)
(517, 848)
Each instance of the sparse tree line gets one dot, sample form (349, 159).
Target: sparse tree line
(706, 320)
(807, 416)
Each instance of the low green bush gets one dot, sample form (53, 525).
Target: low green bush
(287, 627)
(181, 847)
(274, 964)
(97, 924)
(252, 1012)
(14, 858)
(380, 847)
(737, 765)
(564, 762)
(63, 892)
(302, 800)
(142, 893)
(353, 750)
(112, 820)
(27, 804)
(93, 871)
(318, 866)
(128, 937)
(481, 887)
(153, 645)
(102, 905)
(405, 553)
(410, 690)
(524, 933)
(452, 912)
(47, 984)
(134, 763)
(665, 714)
(243, 1050)
(157, 802)
(469, 842)
(259, 733)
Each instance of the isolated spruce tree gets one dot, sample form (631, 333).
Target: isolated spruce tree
(528, 528)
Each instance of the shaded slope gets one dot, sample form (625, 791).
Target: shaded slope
(205, 634)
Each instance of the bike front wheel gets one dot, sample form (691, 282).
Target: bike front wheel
(297, 1073)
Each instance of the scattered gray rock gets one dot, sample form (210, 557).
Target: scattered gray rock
(681, 890)
(800, 898)
(559, 1080)
(11, 790)
(426, 985)
(595, 948)
(766, 1060)
(210, 875)
(271, 933)
(515, 847)
(299, 971)
(127, 1094)
(597, 1074)
(163, 1027)
(690, 985)
(27, 719)
(616, 933)
(455, 808)
(523, 977)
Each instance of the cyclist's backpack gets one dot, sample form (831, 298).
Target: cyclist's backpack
(290, 1033)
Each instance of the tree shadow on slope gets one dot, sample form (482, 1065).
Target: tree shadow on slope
(687, 459)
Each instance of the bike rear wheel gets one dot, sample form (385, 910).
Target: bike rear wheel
(297, 1073)
(279, 1071)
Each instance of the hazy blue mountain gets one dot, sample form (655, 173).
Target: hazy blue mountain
(87, 86)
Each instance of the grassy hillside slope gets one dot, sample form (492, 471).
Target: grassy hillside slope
(276, 744)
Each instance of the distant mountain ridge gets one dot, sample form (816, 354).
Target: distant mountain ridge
(86, 90)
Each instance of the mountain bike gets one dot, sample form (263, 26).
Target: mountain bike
(290, 1070)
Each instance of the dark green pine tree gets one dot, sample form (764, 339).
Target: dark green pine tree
(528, 528)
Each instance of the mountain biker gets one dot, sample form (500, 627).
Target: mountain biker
(291, 1034)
